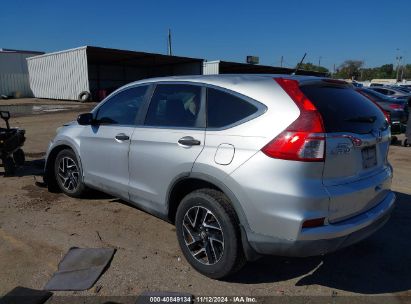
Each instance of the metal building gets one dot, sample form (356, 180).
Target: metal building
(14, 76)
(99, 71)
(227, 67)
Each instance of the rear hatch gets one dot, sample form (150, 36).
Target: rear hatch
(357, 142)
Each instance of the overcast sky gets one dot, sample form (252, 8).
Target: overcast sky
(373, 31)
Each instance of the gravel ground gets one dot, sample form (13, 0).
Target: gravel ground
(37, 228)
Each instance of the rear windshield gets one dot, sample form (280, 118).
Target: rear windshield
(345, 110)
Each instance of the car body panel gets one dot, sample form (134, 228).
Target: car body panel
(155, 160)
(105, 159)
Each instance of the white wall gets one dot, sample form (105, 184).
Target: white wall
(61, 75)
(14, 77)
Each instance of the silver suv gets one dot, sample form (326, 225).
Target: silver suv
(243, 165)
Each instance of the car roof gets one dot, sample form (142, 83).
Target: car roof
(224, 79)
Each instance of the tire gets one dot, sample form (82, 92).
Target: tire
(9, 166)
(394, 140)
(68, 174)
(405, 143)
(84, 96)
(19, 157)
(218, 249)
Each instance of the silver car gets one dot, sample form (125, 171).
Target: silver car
(243, 165)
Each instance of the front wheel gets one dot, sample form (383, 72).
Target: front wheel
(208, 233)
(68, 174)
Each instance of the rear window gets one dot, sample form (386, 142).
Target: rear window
(224, 109)
(345, 110)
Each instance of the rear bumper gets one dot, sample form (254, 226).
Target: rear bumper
(328, 238)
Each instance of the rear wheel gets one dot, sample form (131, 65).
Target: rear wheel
(405, 143)
(208, 233)
(19, 157)
(68, 174)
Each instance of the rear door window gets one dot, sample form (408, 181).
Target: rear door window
(345, 110)
(225, 109)
(175, 105)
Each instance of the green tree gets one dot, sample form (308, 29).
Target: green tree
(407, 71)
(312, 67)
(349, 69)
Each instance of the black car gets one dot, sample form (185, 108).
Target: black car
(397, 108)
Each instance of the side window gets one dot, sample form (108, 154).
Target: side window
(122, 108)
(175, 105)
(224, 109)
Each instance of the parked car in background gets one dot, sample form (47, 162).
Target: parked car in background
(397, 108)
(392, 92)
(403, 89)
(243, 165)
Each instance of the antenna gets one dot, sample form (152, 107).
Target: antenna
(170, 53)
(298, 66)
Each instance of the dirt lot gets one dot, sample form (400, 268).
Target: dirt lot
(37, 228)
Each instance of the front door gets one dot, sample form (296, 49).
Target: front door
(105, 145)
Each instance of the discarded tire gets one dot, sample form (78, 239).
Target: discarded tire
(84, 96)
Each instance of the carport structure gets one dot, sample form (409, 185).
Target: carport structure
(229, 67)
(99, 71)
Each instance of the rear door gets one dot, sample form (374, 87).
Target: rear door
(165, 148)
(357, 143)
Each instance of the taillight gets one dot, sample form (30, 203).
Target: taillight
(387, 116)
(304, 139)
(313, 223)
(395, 106)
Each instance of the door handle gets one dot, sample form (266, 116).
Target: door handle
(189, 141)
(122, 137)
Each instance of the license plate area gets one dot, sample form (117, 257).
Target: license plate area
(369, 157)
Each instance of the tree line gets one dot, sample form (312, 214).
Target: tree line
(354, 69)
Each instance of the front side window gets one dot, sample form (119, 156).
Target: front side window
(122, 108)
(175, 105)
(224, 109)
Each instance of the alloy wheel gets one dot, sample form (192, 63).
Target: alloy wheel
(68, 173)
(203, 235)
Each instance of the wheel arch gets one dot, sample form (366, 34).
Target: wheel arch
(184, 185)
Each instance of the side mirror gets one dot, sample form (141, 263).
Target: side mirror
(85, 119)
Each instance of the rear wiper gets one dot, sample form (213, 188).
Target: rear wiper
(365, 119)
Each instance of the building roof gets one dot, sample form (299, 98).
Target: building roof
(228, 67)
(3, 50)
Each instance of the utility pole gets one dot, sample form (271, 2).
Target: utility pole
(399, 58)
(170, 52)
(281, 62)
(319, 61)
(402, 72)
